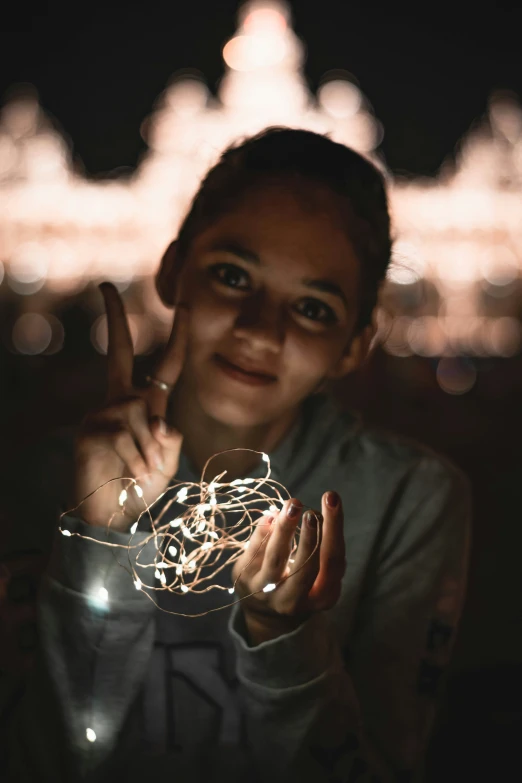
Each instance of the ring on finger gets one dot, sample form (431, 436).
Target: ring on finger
(166, 387)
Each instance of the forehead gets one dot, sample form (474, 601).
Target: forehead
(304, 225)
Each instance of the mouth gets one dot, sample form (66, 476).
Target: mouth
(245, 376)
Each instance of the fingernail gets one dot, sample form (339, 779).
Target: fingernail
(159, 463)
(162, 427)
(294, 510)
(332, 499)
(311, 519)
(147, 480)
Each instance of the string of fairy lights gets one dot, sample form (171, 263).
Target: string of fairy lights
(188, 547)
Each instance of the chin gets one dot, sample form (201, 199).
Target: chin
(237, 413)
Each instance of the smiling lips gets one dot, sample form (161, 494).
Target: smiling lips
(251, 377)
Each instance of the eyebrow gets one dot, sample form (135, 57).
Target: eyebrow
(325, 286)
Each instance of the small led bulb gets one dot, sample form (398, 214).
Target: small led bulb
(138, 490)
(184, 589)
(266, 458)
(231, 590)
(173, 551)
(268, 588)
(91, 735)
(138, 583)
(66, 532)
(134, 527)
(182, 494)
(123, 497)
(103, 594)
(176, 522)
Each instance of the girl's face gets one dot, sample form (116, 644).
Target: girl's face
(273, 287)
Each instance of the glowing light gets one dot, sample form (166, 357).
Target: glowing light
(248, 53)
(91, 735)
(123, 497)
(340, 98)
(456, 233)
(266, 458)
(176, 522)
(182, 494)
(32, 334)
(231, 590)
(66, 533)
(455, 375)
(194, 560)
(138, 490)
(269, 587)
(103, 594)
(133, 528)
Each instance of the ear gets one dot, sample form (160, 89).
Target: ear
(356, 353)
(167, 276)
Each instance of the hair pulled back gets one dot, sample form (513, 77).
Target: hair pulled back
(287, 152)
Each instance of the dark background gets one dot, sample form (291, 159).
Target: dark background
(428, 71)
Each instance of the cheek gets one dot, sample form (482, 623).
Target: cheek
(210, 322)
(307, 358)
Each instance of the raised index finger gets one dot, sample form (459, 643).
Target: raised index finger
(169, 366)
(120, 353)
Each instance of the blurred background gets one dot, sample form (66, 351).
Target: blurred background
(109, 120)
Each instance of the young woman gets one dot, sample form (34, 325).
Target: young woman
(332, 675)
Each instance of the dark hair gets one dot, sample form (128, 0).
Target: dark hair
(285, 152)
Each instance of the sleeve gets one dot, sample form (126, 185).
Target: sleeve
(314, 714)
(93, 653)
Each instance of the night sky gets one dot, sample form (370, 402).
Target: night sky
(427, 69)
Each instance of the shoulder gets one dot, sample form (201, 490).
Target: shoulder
(398, 453)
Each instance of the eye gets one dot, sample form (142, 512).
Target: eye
(314, 310)
(229, 275)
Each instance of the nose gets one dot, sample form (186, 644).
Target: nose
(261, 324)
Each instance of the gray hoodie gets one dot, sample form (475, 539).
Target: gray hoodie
(347, 696)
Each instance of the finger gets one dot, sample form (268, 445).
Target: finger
(279, 545)
(257, 543)
(126, 449)
(305, 567)
(120, 353)
(252, 558)
(170, 365)
(332, 559)
(140, 429)
(170, 440)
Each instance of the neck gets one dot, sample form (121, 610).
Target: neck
(203, 437)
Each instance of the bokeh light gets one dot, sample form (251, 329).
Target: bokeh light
(456, 375)
(32, 334)
(455, 270)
